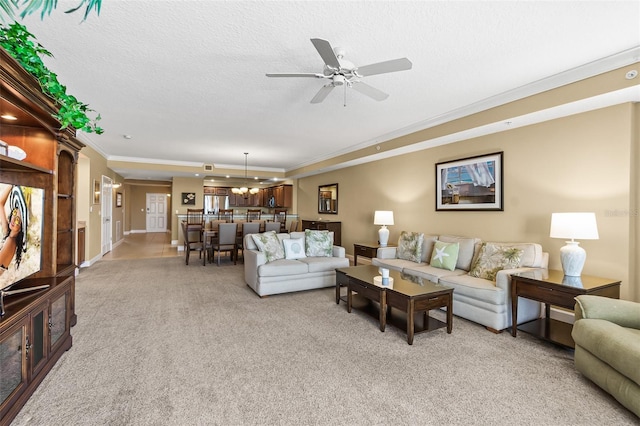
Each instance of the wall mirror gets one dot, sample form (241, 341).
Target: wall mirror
(328, 199)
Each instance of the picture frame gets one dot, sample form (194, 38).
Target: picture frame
(472, 183)
(118, 199)
(188, 198)
(96, 191)
(328, 199)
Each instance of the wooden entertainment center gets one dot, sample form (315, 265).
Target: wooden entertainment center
(35, 329)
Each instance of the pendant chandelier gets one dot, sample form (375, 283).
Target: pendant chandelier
(244, 190)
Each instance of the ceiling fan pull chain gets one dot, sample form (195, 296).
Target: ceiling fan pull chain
(345, 95)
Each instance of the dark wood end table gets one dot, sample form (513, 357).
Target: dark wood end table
(369, 250)
(554, 288)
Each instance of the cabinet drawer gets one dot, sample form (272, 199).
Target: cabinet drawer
(431, 303)
(372, 293)
(547, 295)
(366, 251)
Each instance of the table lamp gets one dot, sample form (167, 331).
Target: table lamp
(384, 218)
(573, 225)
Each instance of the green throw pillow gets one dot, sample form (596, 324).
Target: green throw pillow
(410, 246)
(493, 258)
(269, 244)
(445, 255)
(318, 243)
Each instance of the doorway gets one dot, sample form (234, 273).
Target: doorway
(156, 212)
(107, 201)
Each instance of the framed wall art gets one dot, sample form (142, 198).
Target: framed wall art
(473, 183)
(188, 198)
(118, 199)
(96, 191)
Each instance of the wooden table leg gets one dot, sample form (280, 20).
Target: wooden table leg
(410, 324)
(514, 307)
(383, 310)
(349, 298)
(450, 314)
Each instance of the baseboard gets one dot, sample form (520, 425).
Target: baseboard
(174, 243)
(562, 315)
(138, 231)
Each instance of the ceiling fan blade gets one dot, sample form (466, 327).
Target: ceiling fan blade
(393, 65)
(322, 93)
(326, 52)
(370, 91)
(314, 75)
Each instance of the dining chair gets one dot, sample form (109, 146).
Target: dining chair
(272, 226)
(226, 215)
(191, 242)
(226, 241)
(247, 228)
(253, 214)
(280, 215)
(195, 219)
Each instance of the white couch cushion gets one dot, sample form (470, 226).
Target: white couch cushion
(323, 264)
(466, 251)
(476, 288)
(282, 267)
(395, 264)
(431, 273)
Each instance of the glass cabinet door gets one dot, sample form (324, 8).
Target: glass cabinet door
(13, 359)
(38, 345)
(58, 324)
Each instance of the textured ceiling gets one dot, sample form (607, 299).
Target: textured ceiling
(186, 79)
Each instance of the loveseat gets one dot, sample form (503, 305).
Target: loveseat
(302, 271)
(479, 272)
(606, 333)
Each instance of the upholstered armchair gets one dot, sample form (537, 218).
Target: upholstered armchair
(607, 337)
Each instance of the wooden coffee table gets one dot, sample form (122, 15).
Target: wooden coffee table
(408, 294)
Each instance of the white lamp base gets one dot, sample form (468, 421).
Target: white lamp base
(383, 236)
(572, 257)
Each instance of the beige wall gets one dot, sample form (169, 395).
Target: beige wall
(136, 201)
(576, 163)
(181, 185)
(97, 168)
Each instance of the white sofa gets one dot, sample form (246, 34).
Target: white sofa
(285, 275)
(479, 300)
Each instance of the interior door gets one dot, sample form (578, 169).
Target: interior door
(156, 212)
(107, 202)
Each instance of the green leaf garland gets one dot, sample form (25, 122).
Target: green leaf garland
(23, 46)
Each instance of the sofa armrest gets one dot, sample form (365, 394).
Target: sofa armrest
(622, 312)
(252, 260)
(339, 251)
(503, 278)
(386, 252)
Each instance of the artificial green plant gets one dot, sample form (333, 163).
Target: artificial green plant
(23, 46)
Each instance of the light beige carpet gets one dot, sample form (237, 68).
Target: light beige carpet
(161, 343)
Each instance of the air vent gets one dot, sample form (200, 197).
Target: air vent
(208, 167)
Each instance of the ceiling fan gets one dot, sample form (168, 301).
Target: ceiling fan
(341, 72)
